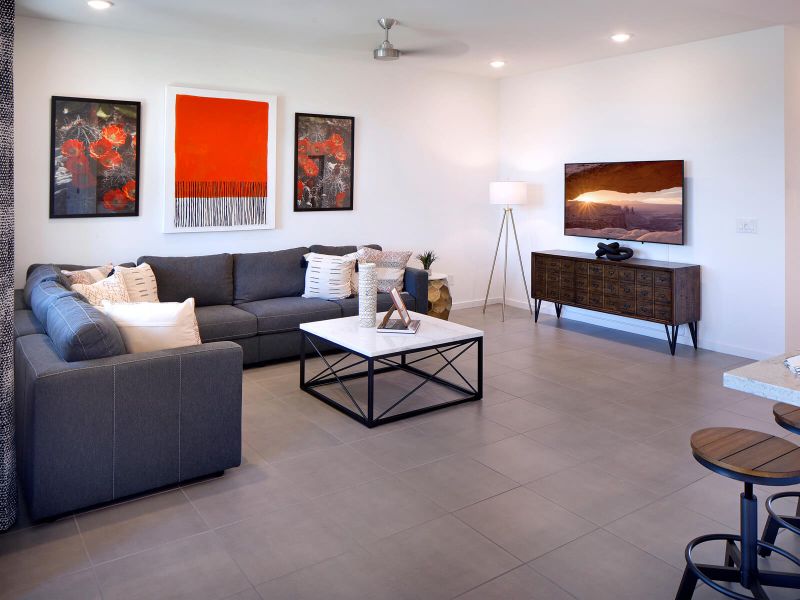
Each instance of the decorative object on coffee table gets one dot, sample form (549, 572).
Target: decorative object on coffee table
(323, 162)
(94, 158)
(427, 258)
(8, 473)
(439, 299)
(613, 251)
(507, 193)
(367, 294)
(220, 160)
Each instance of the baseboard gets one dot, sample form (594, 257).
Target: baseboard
(624, 324)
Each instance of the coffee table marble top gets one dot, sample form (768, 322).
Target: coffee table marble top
(368, 342)
(766, 378)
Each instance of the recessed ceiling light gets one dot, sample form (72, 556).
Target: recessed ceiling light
(621, 38)
(497, 64)
(100, 4)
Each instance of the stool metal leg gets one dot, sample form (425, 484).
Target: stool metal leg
(687, 586)
(749, 524)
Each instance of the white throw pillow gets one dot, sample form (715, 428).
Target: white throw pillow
(140, 282)
(148, 326)
(111, 289)
(88, 276)
(328, 277)
(390, 266)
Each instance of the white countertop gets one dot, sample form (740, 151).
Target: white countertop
(766, 378)
(368, 342)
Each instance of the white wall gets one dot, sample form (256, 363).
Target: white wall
(792, 73)
(718, 104)
(425, 147)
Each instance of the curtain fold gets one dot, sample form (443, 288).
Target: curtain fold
(8, 482)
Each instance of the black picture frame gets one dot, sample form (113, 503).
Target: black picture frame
(116, 177)
(634, 162)
(306, 198)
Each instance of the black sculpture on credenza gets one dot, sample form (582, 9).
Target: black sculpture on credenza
(613, 251)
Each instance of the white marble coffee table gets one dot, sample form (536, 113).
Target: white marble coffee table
(766, 378)
(387, 353)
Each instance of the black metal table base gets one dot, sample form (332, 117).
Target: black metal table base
(672, 330)
(372, 415)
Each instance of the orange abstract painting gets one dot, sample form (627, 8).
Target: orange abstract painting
(221, 162)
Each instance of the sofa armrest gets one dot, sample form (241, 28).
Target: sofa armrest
(93, 431)
(415, 283)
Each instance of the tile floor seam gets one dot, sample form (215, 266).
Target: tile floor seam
(624, 541)
(151, 548)
(504, 573)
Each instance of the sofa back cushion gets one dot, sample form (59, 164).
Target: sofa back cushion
(39, 274)
(79, 331)
(68, 267)
(339, 250)
(207, 279)
(266, 275)
(43, 295)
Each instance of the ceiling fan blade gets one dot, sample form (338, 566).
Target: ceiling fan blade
(452, 48)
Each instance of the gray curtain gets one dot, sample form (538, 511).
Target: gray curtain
(8, 482)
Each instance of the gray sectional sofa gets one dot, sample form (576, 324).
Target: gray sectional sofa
(95, 424)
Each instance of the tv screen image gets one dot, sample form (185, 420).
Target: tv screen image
(632, 201)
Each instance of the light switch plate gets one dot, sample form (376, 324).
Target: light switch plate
(746, 225)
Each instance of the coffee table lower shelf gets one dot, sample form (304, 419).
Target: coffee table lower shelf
(334, 374)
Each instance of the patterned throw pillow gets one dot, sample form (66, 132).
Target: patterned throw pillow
(328, 277)
(111, 289)
(140, 282)
(88, 276)
(390, 266)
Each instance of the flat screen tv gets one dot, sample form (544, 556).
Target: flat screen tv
(638, 201)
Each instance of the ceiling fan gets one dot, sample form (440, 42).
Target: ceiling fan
(387, 51)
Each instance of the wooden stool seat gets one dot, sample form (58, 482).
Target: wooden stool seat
(787, 416)
(747, 455)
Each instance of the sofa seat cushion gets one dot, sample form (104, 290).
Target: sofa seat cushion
(207, 279)
(350, 305)
(286, 314)
(267, 275)
(26, 323)
(223, 322)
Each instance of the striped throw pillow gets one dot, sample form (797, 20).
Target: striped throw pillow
(328, 277)
(140, 282)
(88, 276)
(111, 289)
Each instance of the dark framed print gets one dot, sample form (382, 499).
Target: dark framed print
(94, 158)
(323, 162)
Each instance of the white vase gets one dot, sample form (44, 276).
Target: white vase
(367, 294)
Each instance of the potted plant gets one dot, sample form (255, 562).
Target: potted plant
(427, 258)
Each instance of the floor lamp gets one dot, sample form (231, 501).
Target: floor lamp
(507, 193)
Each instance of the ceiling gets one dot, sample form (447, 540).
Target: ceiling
(466, 34)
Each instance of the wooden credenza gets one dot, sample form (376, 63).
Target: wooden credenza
(661, 292)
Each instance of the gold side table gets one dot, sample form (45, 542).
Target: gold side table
(439, 299)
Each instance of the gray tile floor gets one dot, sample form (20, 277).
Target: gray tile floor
(571, 479)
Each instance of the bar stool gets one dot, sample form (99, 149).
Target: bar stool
(751, 457)
(788, 417)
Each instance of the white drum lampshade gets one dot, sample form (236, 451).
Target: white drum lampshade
(508, 192)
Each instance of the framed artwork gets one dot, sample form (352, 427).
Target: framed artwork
(94, 158)
(323, 162)
(220, 160)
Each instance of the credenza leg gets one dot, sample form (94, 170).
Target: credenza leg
(537, 305)
(558, 310)
(693, 327)
(672, 337)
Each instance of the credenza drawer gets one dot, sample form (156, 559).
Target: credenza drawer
(663, 295)
(596, 270)
(611, 287)
(627, 305)
(567, 266)
(582, 297)
(644, 294)
(627, 274)
(611, 271)
(644, 277)
(662, 278)
(596, 300)
(595, 285)
(645, 309)
(627, 290)
(581, 282)
(663, 312)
